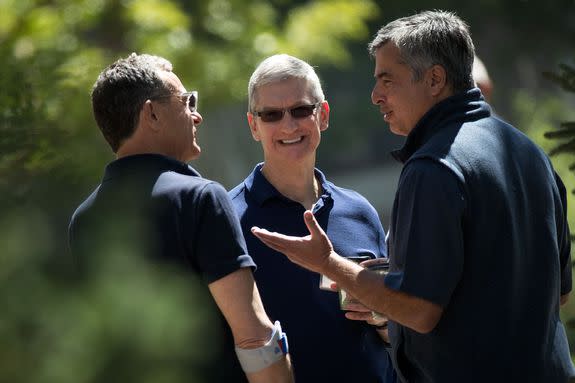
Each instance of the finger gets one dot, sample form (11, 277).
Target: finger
(357, 307)
(268, 234)
(375, 261)
(353, 315)
(270, 239)
(312, 225)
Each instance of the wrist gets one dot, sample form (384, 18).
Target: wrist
(328, 263)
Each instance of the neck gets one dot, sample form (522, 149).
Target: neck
(134, 146)
(297, 183)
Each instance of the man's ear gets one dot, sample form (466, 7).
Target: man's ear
(149, 116)
(437, 79)
(324, 115)
(253, 126)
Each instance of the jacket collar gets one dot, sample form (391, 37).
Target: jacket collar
(146, 163)
(459, 108)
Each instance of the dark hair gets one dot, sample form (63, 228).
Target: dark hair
(432, 38)
(120, 92)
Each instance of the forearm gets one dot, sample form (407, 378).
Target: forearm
(369, 288)
(279, 372)
(238, 298)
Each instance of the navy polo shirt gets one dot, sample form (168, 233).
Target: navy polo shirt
(324, 345)
(479, 227)
(162, 210)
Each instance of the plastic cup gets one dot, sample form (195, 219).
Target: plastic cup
(382, 269)
(344, 298)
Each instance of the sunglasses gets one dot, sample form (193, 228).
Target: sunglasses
(298, 112)
(191, 99)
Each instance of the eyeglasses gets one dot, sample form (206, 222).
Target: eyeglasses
(298, 112)
(190, 97)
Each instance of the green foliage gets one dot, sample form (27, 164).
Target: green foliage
(566, 130)
(537, 114)
(318, 18)
(127, 321)
(544, 118)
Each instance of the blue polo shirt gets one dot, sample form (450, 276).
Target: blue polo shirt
(479, 227)
(324, 345)
(161, 210)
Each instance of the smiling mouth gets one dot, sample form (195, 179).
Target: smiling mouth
(294, 141)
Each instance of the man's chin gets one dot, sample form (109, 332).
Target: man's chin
(195, 155)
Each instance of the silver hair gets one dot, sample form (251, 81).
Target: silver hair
(431, 38)
(279, 68)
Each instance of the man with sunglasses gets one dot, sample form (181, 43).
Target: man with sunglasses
(154, 205)
(287, 114)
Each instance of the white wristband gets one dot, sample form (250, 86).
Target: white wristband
(257, 359)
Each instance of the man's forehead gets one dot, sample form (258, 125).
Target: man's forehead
(387, 57)
(172, 80)
(285, 92)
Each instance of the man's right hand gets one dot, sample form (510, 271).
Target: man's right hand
(311, 252)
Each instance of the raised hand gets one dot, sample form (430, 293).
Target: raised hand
(311, 251)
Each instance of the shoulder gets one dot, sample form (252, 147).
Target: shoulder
(85, 206)
(431, 182)
(347, 195)
(179, 184)
(351, 201)
(431, 176)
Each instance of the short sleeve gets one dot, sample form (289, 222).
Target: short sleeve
(427, 232)
(219, 244)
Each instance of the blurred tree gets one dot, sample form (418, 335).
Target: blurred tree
(565, 133)
(128, 321)
(541, 115)
(52, 153)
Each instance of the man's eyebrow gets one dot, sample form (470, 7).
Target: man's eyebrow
(382, 74)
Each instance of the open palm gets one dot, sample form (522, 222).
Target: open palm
(310, 252)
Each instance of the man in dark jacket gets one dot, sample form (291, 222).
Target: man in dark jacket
(479, 242)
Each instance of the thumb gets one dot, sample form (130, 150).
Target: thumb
(312, 225)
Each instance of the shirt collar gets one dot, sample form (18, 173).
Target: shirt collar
(262, 190)
(461, 107)
(146, 163)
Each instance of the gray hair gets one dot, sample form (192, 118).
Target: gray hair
(279, 68)
(122, 89)
(432, 38)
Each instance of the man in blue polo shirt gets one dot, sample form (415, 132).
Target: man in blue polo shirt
(287, 113)
(151, 203)
(479, 242)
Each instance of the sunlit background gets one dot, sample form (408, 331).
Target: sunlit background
(133, 322)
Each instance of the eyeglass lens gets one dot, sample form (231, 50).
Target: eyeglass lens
(192, 101)
(298, 112)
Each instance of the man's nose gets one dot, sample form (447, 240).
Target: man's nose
(197, 117)
(376, 96)
(288, 122)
